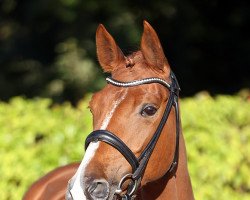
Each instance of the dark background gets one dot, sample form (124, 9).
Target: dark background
(47, 47)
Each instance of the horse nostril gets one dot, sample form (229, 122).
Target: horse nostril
(98, 189)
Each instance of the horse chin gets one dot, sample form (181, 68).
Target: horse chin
(112, 195)
(115, 197)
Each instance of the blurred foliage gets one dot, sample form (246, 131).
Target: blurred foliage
(36, 137)
(47, 48)
(217, 133)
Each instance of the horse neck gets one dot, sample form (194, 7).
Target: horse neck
(176, 186)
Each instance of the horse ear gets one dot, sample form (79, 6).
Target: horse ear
(108, 53)
(151, 48)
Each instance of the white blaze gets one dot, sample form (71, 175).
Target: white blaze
(110, 114)
(77, 190)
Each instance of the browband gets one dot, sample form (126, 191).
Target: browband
(137, 82)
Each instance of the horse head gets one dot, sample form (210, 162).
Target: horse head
(126, 115)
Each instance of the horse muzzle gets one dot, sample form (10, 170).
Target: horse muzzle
(91, 189)
(97, 189)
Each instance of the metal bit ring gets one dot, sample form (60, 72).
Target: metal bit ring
(125, 178)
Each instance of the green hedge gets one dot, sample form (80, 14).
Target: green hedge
(36, 137)
(217, 132)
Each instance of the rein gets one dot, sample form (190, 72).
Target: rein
(139, 164)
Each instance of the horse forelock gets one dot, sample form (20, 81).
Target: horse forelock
(133, 58)
(135, 67)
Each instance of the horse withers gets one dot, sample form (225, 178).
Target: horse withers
(136, 150)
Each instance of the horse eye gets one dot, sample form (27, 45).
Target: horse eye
(148, 111)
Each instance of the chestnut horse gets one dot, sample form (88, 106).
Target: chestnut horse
(137, 149)
(53, 185)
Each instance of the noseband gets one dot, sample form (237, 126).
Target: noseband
(139, 164)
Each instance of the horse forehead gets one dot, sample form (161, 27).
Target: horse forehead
(110, 93)
(106, 101)
(114, 93)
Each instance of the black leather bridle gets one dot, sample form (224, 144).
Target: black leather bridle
(139, 164)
